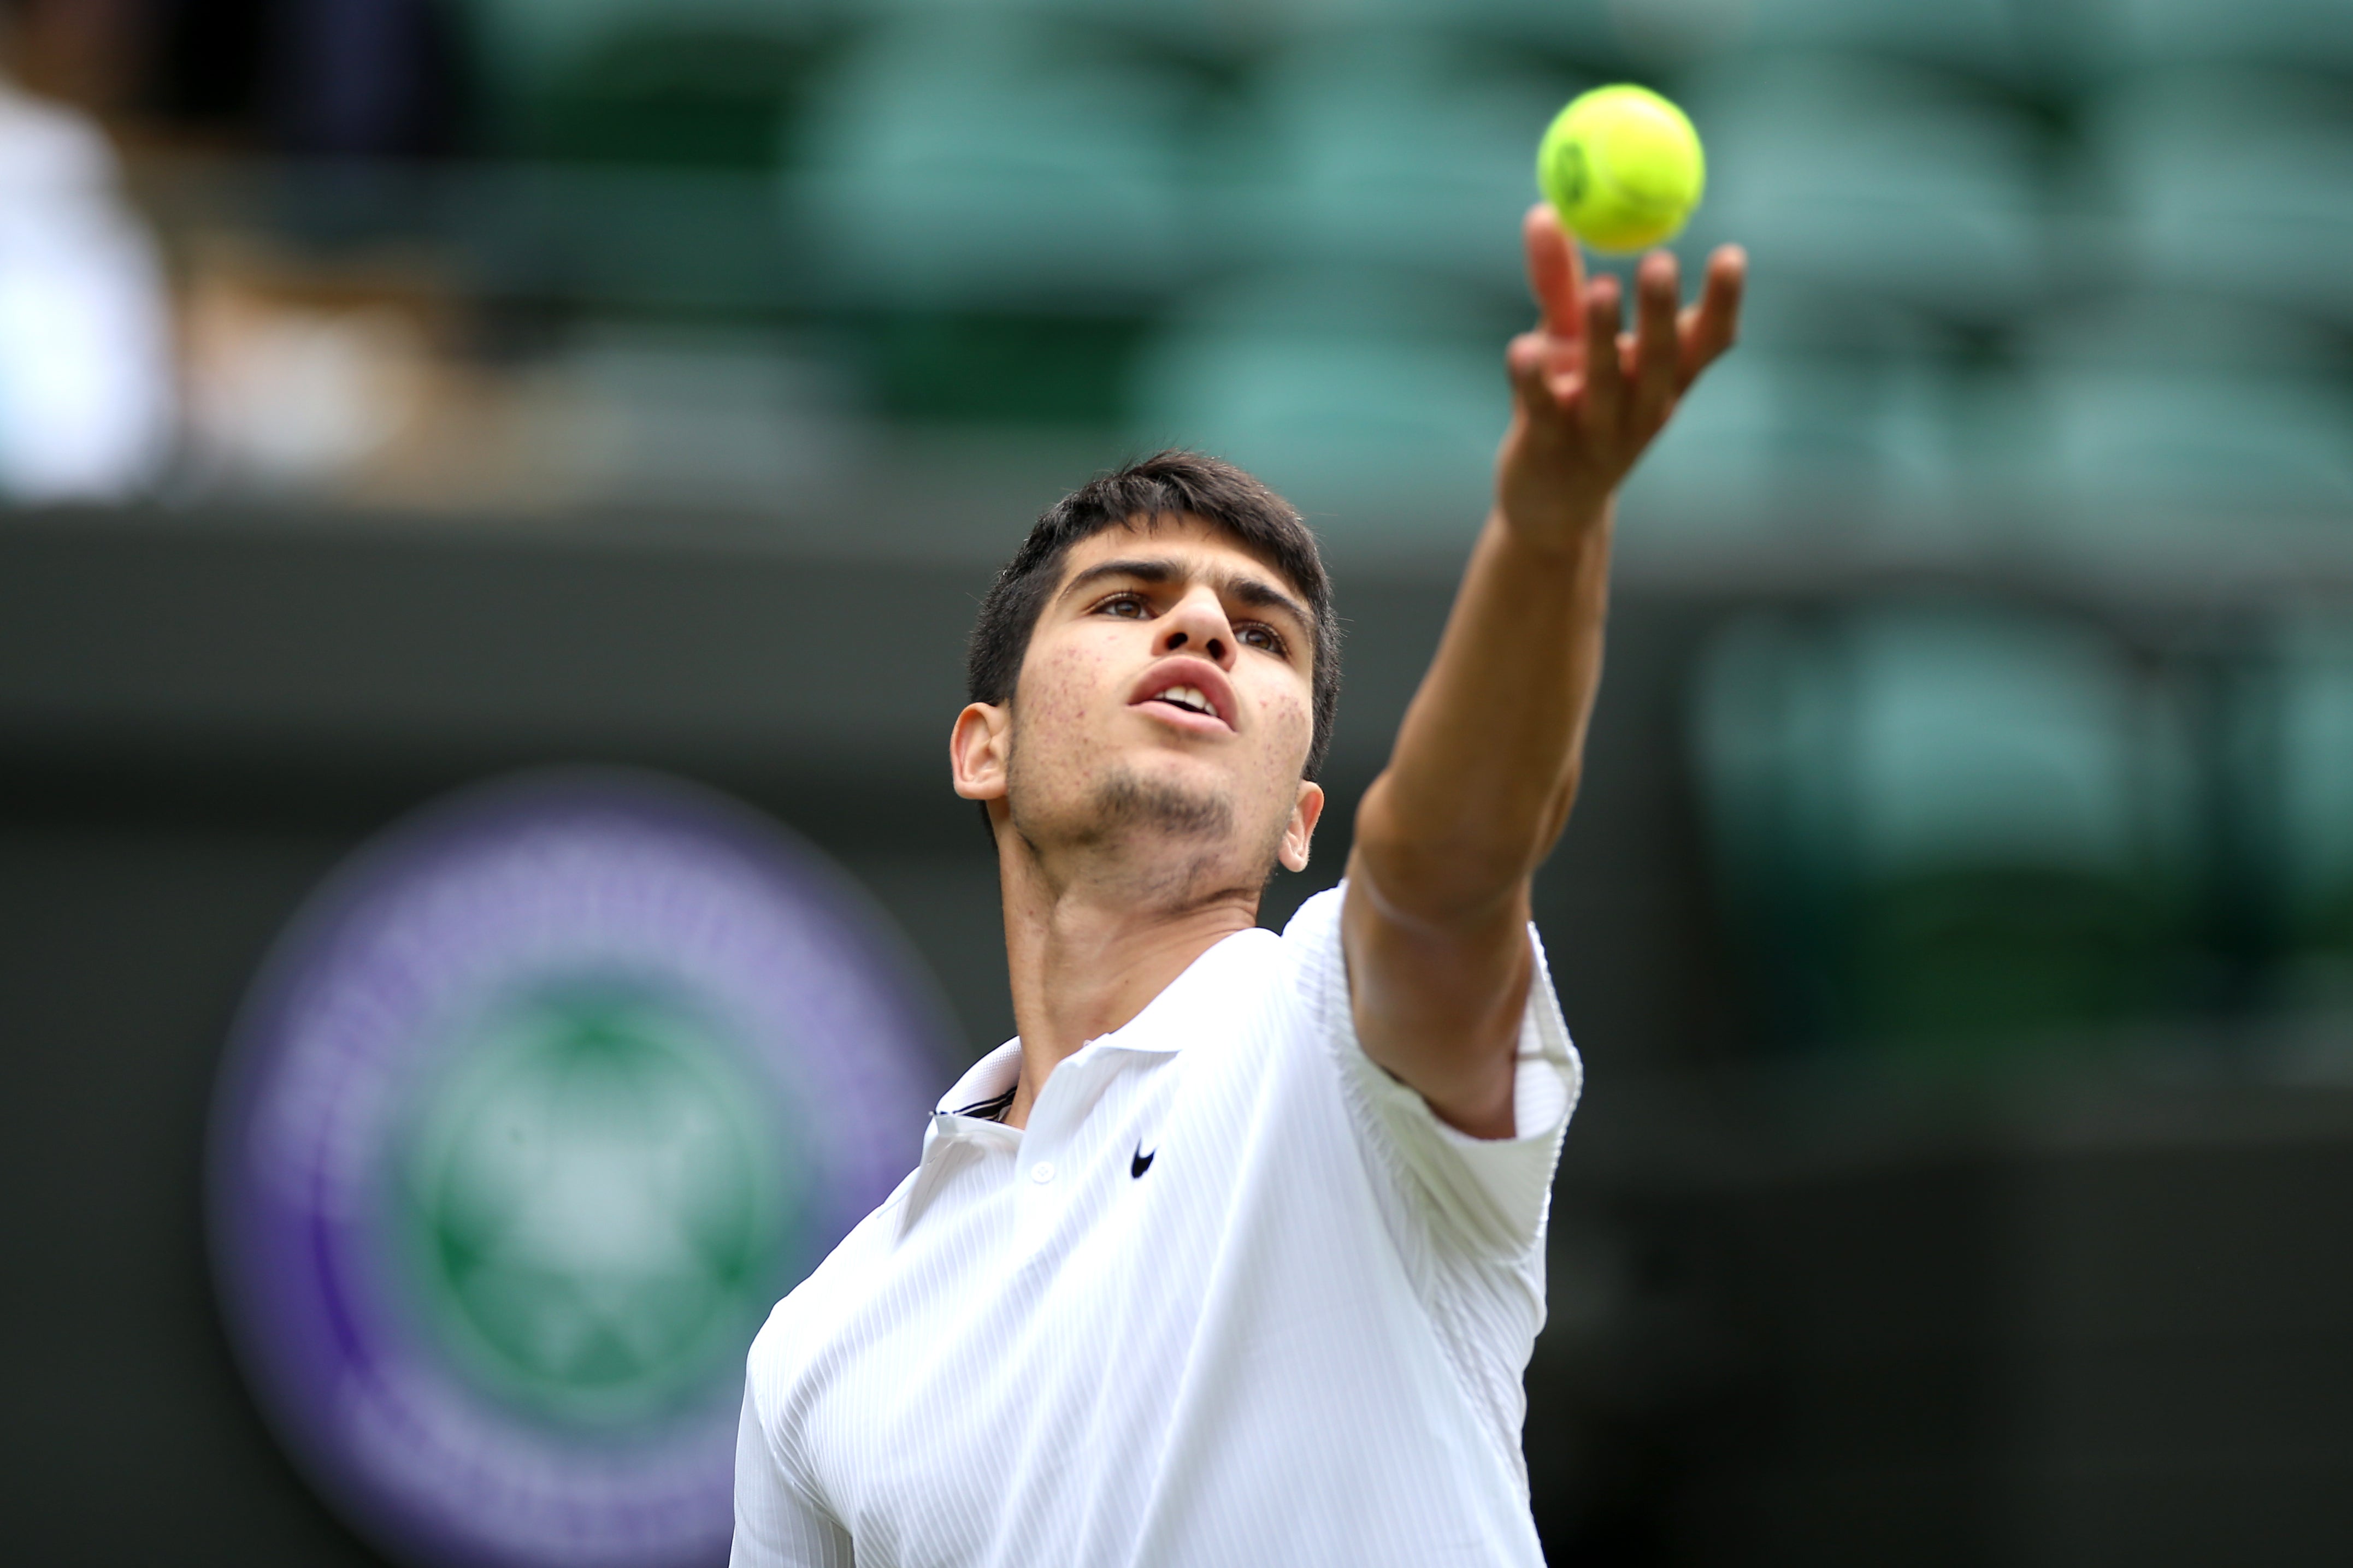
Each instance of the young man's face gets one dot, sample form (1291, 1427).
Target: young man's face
(1166, 695)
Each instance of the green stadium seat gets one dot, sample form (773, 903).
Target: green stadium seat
(1830, 409)
(2233, 182)
(1984, 36)
(1591, 31)
(974, 162)
(1372, 401)
(1949, 829)
(1987, 38)
(1396, 150)
(692, 82)
(2219, 445)
(1889, 183)
(1186, 29)
(2296, 32)
(1777, 439)
(2193, 403)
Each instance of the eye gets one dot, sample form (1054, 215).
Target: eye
(1126, 606)
(1262, 637)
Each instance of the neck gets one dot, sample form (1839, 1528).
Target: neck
(1088, 952)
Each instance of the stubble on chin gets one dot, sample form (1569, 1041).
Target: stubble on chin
(1119, 809)
(1126, 803)
(1132, 809)
(1170, 840)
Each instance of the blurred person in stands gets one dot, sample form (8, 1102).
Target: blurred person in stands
(1235, 1254)
(86, 364)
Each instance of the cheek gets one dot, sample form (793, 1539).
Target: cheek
(1060, 686)
(1284, 717)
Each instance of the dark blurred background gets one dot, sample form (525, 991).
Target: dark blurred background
(1958, 919)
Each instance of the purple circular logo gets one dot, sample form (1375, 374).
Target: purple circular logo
(533, 1111)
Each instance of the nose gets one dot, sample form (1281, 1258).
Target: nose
(1198, 625)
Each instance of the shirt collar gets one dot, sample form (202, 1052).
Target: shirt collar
(984, 1080)
(1170, 1020)
(1000, 1070)
(951, 1132)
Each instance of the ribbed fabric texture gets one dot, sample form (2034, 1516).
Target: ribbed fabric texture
(1234, 1296)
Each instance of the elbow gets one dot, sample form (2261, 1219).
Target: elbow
(1555, 818)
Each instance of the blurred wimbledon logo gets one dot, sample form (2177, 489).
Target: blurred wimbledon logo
(592, 1211)
(534, 1110)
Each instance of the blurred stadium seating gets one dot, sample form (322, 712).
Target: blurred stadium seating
(1951, 826)
(1591, 31)
(954, 160)
(674, 94)
(1042, 214)
(2233, 182)
(1833, 409)
(691, 82)
(1371, 398)
(1989, 38)
(2279, 32)
(2192, 404)
(1402, 149)
(1878, 179)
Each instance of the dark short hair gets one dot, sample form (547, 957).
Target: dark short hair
(1173, 483)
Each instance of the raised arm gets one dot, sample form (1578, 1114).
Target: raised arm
(1486, 763)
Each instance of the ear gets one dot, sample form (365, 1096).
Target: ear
(1305, 812)
(977, 751)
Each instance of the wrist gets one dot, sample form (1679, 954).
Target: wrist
(1570, 529)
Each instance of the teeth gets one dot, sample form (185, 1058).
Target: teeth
(1186, 697)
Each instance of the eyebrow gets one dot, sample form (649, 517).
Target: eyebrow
(1255, 592)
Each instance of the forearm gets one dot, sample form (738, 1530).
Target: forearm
(1486, 761)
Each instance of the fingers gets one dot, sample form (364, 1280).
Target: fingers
(1591, 396)
(1605, 385)
(1528, 362)
(1708, 328)
(1555, 275)
(1657, 351)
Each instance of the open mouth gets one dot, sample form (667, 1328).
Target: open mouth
(1189, 697)
(1193, 687)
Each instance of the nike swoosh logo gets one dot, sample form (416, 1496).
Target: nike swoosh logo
(1142, 1162)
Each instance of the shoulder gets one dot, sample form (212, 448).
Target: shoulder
(1224, 996)
(1317, 921)
(1312, 961)
(799, 1326)
(1482, 1198)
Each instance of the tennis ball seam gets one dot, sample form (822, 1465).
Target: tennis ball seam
(1593, 158)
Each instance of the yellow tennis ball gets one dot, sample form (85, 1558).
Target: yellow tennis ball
(1622, 167)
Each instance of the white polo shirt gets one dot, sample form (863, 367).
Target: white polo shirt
(1235, 1296)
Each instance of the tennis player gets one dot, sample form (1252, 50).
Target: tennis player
(1235, 1254)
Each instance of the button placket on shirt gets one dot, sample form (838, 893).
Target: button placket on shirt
(1045, 1175)
(952, 1141)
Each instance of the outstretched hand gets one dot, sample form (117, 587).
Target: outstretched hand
(1588, 397)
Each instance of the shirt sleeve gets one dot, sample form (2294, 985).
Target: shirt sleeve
(777, 1524)
(1487, 1196)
